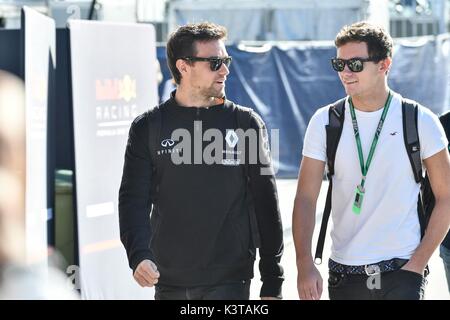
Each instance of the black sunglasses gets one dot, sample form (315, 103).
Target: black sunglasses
(354, 64)
(214, 62)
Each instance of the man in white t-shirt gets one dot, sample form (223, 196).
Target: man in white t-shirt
(374, 198)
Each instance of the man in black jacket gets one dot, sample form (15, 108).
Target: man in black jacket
(206, 218)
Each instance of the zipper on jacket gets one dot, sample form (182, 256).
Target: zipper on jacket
(197, 127)
(198, 147)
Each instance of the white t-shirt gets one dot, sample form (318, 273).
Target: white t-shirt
(388, 225)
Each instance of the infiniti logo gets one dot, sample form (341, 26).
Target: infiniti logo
(167, 143)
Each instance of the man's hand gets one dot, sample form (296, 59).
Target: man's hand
(146, 274)
(411, 266)
(309, 282)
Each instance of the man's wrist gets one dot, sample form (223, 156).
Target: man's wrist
(272, 288)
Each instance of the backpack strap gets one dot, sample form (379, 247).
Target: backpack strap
(336, 114)
(154, 136)
(412, 145)
(411, 136)
(410, 110)
(243, 118)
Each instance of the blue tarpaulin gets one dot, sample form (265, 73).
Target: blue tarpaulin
(286, 84)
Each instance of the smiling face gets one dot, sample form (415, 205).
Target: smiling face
(201, 80)
(370, 80)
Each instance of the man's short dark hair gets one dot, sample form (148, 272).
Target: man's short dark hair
(379, 42)
(182, 42)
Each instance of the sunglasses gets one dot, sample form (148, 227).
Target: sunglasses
(214, 62)
(354, 64)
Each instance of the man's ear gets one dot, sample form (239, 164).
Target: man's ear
(385, 65)
(182, 66)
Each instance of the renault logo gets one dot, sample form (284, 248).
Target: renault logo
(231, 138)
(167, 143)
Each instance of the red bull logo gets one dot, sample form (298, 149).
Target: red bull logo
(115, 89)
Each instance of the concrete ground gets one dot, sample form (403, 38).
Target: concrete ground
(436, 288)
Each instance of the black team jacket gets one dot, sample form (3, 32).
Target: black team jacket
(198, 232)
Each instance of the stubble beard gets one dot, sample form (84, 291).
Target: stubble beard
(214, 92)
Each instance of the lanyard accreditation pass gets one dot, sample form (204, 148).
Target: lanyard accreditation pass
(365, 168)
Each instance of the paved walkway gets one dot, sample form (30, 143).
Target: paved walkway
(436, 289)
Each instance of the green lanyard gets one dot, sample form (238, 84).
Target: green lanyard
(365, 168)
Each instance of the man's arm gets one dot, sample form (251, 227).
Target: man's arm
(438, 168)
(264, 191)
(309, 281)
(135, 203)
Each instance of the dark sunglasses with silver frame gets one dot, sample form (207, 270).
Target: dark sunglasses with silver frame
(354, 64)
(214, 62)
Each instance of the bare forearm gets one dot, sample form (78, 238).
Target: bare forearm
(437, 229)
(303, 217)
(303, 227)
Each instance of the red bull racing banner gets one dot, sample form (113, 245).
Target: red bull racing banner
(113, 68)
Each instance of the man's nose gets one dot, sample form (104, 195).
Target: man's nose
(224, 70)
(346, 69)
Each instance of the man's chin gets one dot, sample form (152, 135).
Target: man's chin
(222, 93)
(219, 95)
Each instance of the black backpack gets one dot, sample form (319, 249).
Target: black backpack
(243, 119)
(425, 201)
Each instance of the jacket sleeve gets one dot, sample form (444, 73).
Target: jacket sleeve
(134, 195)
(265, 197)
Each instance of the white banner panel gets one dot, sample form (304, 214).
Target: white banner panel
(40, 37)
(113, 81)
